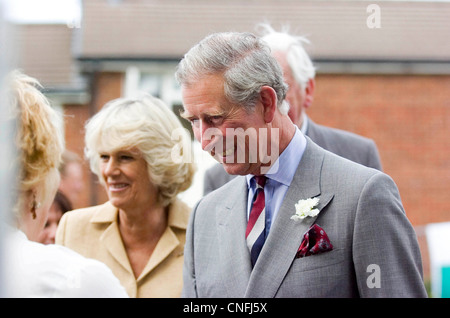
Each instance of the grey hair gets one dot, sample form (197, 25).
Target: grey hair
(297, 58)
(245, 62)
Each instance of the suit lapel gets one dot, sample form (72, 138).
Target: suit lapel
(286, 234)
(233, 252)
(112, 241)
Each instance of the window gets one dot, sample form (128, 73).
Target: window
(158, 80)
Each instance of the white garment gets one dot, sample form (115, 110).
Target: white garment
(38, 270)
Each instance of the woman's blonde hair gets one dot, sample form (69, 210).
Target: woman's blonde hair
(148, 125)
(38, 138)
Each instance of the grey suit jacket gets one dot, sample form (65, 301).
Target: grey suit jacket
(343, 143)
(375, 252)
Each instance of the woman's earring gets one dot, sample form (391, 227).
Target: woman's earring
(35, 205)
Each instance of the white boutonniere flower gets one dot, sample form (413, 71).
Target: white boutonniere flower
(305, 208)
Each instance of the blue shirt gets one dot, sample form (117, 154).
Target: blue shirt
(279, 178)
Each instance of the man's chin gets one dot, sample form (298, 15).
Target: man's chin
(224, 160)
(235, 168)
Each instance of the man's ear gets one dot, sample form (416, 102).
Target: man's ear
(269, 100)
(309, 93)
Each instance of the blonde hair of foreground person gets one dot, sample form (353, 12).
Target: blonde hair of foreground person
(39, 148)
(31, 268)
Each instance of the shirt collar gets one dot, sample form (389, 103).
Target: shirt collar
(286, 165)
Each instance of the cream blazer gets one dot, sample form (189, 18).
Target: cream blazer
(94, 233)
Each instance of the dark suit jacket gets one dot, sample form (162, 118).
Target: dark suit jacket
(351, 146)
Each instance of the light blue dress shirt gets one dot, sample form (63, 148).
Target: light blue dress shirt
(279, 178)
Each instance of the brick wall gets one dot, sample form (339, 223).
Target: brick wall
(409, 119)
(74, 118)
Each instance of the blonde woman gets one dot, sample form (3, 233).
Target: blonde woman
(33, 269)
(140, 232)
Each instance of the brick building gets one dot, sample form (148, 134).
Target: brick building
(382, 72)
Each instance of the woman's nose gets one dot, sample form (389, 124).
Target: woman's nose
(111, 167)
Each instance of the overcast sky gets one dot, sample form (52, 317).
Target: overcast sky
(42, 11)
(64, 11)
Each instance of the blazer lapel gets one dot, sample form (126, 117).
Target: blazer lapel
(112, 241)
(111, 237)
(286, 234)
(166, 244)
(233, 252)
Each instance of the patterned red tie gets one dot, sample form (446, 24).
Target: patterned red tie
(255, 233)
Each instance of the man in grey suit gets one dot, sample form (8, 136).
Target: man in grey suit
(320, 225)
(299, 74)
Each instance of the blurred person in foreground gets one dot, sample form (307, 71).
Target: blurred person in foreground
(60, 205)
(71, 171)
(140, 232)
(299, 221)
(299, 74)
(34, 269)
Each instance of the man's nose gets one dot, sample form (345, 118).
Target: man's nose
(212, 139)
(205, 138)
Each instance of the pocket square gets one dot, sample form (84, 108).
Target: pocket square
(315, 241)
